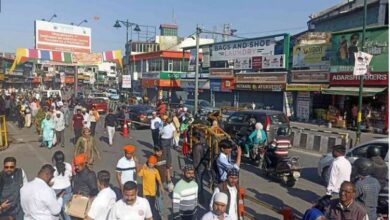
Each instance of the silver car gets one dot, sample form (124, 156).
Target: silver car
(353, 154)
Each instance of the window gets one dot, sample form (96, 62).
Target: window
(278, 119)
(237, 118)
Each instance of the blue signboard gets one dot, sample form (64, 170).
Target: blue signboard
(215, 85)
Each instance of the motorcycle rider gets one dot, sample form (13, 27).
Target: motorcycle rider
(257, 137)
(367, 187)
(271, 156)
(380, 170)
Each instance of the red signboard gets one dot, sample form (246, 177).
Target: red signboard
(149, 83)
(348, 79)
(227, 85)
(169, 83)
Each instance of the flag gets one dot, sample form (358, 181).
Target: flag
(20, 53)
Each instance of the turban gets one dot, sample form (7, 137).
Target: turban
(80, 159)
(129, 149)
(152, 160)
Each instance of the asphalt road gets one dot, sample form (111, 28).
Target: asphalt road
(25, 147)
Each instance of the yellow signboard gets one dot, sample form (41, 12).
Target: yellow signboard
(313, 56)
(305, 87)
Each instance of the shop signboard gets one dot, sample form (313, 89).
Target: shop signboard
(310, 77)
(169, 83)
(62, 37)
(312, 56)
(227, 85)
(190, 84)
(242, 48)
(221, 73)
(215, 85)
(305, 87)
(126, 81)
(262, 78)
(149, 83)
(151, 75)
(348, 79)
(256, 63)
(243, 63)
(273, 62)
(261, 87)
(170, 75)
(345, 44)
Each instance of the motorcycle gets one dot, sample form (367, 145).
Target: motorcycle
(256, 154)
(277, 163)
(383, 202)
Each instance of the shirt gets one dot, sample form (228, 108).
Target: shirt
(367, 191)
(59, 122)
(155, 123)
(224, 164)
(39, 201)
(340, 171)
(102, 204)
(233, 201)
(86, 121)
(62, 181)
(140, 210)
(78, 121)
(84, 183)
(127, 169)
(167, 131)
(211, 216)
(149, 178)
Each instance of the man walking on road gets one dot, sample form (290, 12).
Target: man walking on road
(340, 170)
(231, 189)
(224, 161)
(77, 125)
(38, 199)
(59, 127)
(110, 123)
(11, 180)
(155, 125)
(126, 168)
(218, 208)
(94, 118)
(84, 182)
(185, 196)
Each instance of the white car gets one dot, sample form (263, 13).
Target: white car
(98, 95)
(112, 94)
(353, 154)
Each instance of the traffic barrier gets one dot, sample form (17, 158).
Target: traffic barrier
(125, 131)
(319, 141)
(287, 213)
(3, 133)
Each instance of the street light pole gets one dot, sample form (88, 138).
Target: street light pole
(198, 31)
(359, 117)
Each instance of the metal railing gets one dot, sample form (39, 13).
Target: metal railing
(3, 133)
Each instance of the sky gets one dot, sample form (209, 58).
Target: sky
(251, 18)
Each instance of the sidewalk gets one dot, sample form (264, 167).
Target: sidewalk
(365, 136)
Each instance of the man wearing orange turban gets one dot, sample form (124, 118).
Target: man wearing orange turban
(84, 182)
(126, 168)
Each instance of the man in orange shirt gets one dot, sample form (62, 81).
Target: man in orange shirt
(150, 176)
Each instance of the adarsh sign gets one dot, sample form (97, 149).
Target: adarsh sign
(242, 49)
(62, 37)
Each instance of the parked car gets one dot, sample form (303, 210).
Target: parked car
(100, 104)
(272, 121)
(204, 106)
(98, 95)
(140, 113)
(353, 154)
(112, 94)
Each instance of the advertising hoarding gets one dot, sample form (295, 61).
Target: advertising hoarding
(62, 37)
(126, 81)
(242, 48)
(345, 44)
(221, 73)
(243, 63)
(312, 56)
(273, 62)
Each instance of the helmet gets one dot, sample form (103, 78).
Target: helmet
(363, 166)
(373, 151)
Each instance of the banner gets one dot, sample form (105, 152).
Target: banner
(273, 62)
(243, 63)
(345, 44)
(126, 81)
(113, 55)
(362, 60)
(87, 58)
(205, 57)
(242, 49)
(312, 56)
(192, 60)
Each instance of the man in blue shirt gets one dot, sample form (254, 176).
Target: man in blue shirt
(224, 162)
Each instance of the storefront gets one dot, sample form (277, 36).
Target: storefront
(264, 89)
(305, 89)
(162, 85)
(188, 87)
(344, 88)
(222, 84)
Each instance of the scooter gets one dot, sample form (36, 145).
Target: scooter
(256, 154)
(277, 163)
(383, 202)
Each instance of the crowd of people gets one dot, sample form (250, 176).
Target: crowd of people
(61, 188)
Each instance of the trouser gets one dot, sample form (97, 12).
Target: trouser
(60, 135)
(15, 214)
(77, 134)
(20, 121)
(7, 110)
(93, 128)
(371, 212)
(66, 199)
(27, 120)
(152, 203)
(48, 143)
(111, 133)
(176, 139)
(156, 137)
(166, 145)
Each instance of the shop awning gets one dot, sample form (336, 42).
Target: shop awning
(353, 91)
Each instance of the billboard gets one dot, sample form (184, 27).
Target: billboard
(242, 49)
(315, 56)
(273, 62)
(345, 44)
(62, 37)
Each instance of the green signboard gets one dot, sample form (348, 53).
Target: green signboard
(344, 44)
(171, 75)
